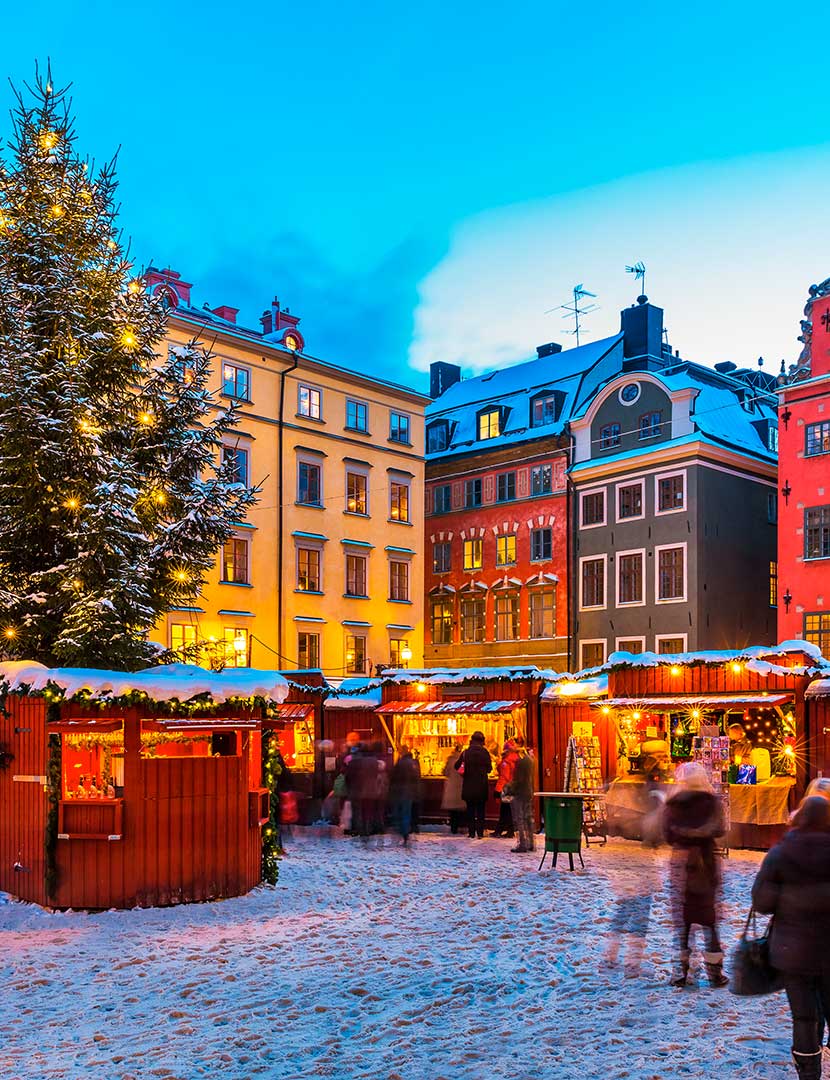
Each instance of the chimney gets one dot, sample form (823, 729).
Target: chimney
(548, 350)
(725, 367)
(441, 377)
(169, 280)
(227, 313)
(277, 318)
(642, 327)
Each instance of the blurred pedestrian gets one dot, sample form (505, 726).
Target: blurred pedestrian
(404, 791)
(505, 768)
(693, 818)
(362, 783)
(451, 800)
(793, 885)
(378, 823)
(475, 765)
(522, 790)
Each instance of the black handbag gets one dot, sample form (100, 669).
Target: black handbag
(752, 974)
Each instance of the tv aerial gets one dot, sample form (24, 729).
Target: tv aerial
(639, 272)
(576, 309)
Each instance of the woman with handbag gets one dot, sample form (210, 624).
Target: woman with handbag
(692, 820)
(793, 885)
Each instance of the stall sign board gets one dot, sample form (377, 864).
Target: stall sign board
(583, 729)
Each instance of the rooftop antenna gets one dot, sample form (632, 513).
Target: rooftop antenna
(639, 272)
(574, 310)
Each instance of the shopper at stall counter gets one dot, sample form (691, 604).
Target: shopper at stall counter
(692, 820)
(521, 790)
(475, 765)
(451, 800)
(505, 769)
(793, 885)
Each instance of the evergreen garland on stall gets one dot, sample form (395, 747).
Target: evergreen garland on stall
(53, 795)
(114, 498)
(271, 846)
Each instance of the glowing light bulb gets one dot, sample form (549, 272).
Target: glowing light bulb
(48, 140)
(605, 710)
(789, 751)
(10, 632)
(736, 668)
(56, 210)
(145, 418)
(160, 498)
(128, 339)
(180, 575)
(636, 715)
(134, 287)
(420, 687)
(72, 504)
(77, 582)
(674, 669)
(111, 244)
(695, 714)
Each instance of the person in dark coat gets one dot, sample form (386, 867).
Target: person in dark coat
(475, 765)
(362, 782)
(693, 819)
(521, 788)
(793, 885)
(505, 768)
(404, 791)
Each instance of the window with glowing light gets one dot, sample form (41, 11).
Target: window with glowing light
(236, 382)
(357, 490)
(182, 635)
(817, 630)
(489, 424)
(398, 501)
(773, 583)
(308, 569)
(235, 562)
(441, 617)
(542, 613)
(355, 654)
(473, 619)
(398, 580)
(236, 646)
(308, 650)
(506, 550)
(473, 554)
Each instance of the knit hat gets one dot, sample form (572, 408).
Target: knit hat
(477, 736)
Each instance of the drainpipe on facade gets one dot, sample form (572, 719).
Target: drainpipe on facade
(280, 514)
(570, 532)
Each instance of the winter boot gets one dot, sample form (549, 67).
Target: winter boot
(714, 969)
(683, 974)
(808, 1066)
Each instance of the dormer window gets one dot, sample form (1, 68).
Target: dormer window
(438, 436)
(544, 409)
(650, 425)
(609, 436)
(490, 423)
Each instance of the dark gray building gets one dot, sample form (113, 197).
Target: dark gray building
(674, 502)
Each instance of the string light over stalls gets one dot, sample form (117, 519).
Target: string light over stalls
(128, 339)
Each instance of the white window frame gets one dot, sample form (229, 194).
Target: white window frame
(594, 491)
(314, 390)
(667, 476)
(617, 557)
(593, 641)
(641, 481)
(630, 637)
(668, 637)
(684, 599)
(594, 558)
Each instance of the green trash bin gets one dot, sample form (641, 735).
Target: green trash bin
(562, 816)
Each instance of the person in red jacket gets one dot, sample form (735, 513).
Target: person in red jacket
(506, 768)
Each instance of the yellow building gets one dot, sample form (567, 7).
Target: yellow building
(328, 570)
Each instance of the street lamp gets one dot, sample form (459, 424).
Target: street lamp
(406, 654)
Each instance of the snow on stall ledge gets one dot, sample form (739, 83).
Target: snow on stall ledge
(164, 683)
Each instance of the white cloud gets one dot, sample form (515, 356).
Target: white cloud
(730, 251)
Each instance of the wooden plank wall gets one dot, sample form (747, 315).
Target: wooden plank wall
(23, 803)
(699, 679)
(557, 727)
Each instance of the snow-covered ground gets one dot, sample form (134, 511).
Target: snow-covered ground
(455, 959)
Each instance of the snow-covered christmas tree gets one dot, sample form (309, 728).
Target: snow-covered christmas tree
(113, 498)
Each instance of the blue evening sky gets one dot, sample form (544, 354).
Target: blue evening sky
(422, 182)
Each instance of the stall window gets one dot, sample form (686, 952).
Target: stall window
(507, 617)
(542, 613)
(92, 764)
(442, 619)
(506, 550)
(235, 561)
(441, 554)
(541, 545)
(398, 501)
(398, 580)
(308, 650)
(472, 619)
(236, 646)
(356, 567)
(182, 635)
(357, 488)
(355, 654)
(473, 554)
(308, 569)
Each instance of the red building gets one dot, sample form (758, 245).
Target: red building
(497, 517)
(804, 476)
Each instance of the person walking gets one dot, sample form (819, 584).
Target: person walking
(505, 769)
(522, 791)
(404, 791)
(693, 818)
(362, 783)
(451, 800)
(793, 885)
(475, 765)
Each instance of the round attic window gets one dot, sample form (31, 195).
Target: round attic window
(291, 342)
(629, 393)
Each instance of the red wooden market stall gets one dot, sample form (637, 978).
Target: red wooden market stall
(122, 789)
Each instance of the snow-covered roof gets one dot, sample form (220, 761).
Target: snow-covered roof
(575, 689)
(513, 388)
(166, 683)
(360, 693)
(819, 688)
(439, 676)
